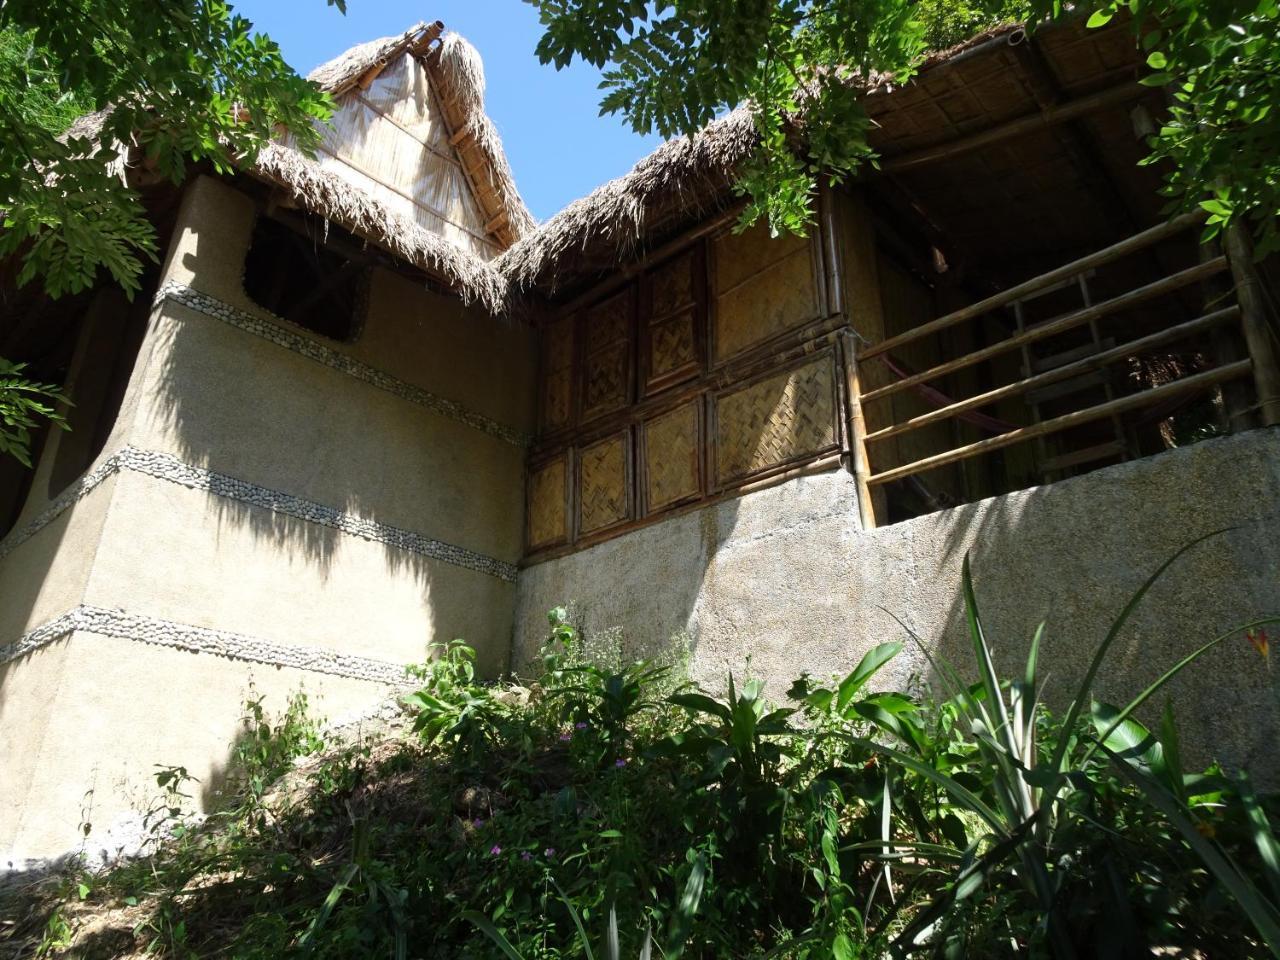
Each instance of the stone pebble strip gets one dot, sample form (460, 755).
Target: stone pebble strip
(281, 336)
(164, 466)
(181, 636)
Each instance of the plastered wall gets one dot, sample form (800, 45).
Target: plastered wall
(783, 580)
(271, 507)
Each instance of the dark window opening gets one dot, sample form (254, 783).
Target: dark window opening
(116, 330)
(303, 281)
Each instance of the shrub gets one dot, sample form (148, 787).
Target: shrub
(612, 809)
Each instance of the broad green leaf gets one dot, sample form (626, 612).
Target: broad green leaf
(872, 661)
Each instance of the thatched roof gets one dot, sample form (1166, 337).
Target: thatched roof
(457, 73)
(994, 77)
(682, 179)
(323, 191)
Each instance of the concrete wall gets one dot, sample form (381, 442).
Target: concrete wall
(270, 506)
(785, 579)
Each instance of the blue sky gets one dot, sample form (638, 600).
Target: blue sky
(558, 146)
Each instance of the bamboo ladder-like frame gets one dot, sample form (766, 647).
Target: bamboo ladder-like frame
(1249, 312)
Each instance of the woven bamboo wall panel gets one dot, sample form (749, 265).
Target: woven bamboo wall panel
(608, 323)
(671, 345)
(547, 513)
(776, 420)
(602, 484)
(607, 377)
(764, 286)
(557, 374)
(671, 286)
(671, 455)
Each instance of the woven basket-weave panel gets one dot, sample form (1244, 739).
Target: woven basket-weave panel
(782, 418)
(671, 344)
(764, 286)
(557, 374)
(607, 324)
(671, 457)
(671, 286)
(605, 388)
(602, 484)
(547, 514)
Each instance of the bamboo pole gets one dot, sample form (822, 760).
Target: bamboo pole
(1066, 372)
(1114, 252)
(1053, 327)
(1042, 120)
(1133, 402)
(1258, 334)
(857, 431)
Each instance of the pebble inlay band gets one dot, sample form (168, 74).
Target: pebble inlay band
(164, 466)
(281, 336)
(182, 636)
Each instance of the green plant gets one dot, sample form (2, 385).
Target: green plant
(675, 941)
(267, 748)
(22, 401)
(450, 706)
(876, 823)
(1040, 777)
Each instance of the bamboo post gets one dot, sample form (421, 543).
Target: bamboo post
(1227, 343)
(1258, 335)
(857, 431)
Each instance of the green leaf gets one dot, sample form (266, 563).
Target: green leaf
(872, 661)
(700, 703)
(1262, 913)
(1100, 18)
(485, 926)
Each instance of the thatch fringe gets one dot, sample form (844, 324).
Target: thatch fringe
(326, 193)
(676, 182)
(460, 72)
(340, 74)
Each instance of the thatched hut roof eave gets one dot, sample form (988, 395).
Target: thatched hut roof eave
(685, 175)
(327, 194)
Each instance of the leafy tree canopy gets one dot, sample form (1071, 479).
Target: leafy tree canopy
(179, 80)
(671, 66)
(183, 80)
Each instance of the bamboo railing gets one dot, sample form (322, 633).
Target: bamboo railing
(1247, 313)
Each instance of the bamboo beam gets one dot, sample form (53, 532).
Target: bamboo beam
(428, 36)
(1041, 120)
(1258, 335)
(1065, 372)
(857, 431)
(464, 134)
(499, 221)
(1053, 327)
(1035, 284)
(1101, 411)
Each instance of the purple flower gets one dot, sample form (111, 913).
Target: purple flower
(566, 737)
(526, 855)
(549, 852)
(620, 763)
(581, 725)
(495, 850)
(478, 822)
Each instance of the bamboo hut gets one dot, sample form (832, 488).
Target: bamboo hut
(368, 404)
